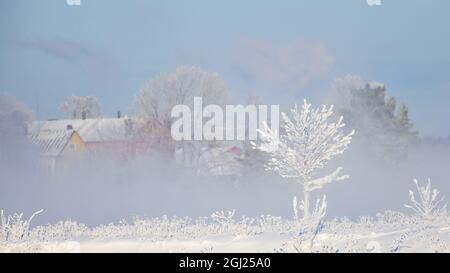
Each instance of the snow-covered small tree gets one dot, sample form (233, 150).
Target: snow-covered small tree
(81, 107)
(306, 143)
(429, 203)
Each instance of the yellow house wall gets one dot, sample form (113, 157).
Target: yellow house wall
(72, 154)
(78, 146)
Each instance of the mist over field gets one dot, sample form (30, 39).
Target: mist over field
(102, 189)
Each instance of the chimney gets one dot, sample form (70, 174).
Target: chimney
(69, 127)
(119, 115)
(83, 115)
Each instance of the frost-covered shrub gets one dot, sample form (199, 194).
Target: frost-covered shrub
(163, 227)
(61, 231)
(269, 223)
(324, 243)
(200, 227)
(145, 229)
(228, 225)
(15, 229)
(337, 243)
(366, 222)
(223, 217)
(339, 226)
(423, 238)
(428, 204)
(244, 226)
(394, 220)
(436, 244)
(122, 230)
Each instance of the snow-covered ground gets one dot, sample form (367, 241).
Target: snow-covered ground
(387, 232)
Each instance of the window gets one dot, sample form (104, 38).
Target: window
(72, 147)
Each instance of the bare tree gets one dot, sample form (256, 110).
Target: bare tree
(155, 100)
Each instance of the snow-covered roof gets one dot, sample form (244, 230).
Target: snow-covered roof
(50, 142)
(91, 130)
(51, 136)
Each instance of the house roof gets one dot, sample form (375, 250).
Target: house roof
(91, 130)
(51, 136)
(50, 142)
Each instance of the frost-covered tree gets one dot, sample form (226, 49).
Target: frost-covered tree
(428, 203)
(384, 128)
(306, 143)
(15, 117)
(81, 107)
(155, 100)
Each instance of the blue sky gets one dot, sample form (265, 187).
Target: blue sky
(282, 50)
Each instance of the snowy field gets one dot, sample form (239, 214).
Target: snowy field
(390, 232)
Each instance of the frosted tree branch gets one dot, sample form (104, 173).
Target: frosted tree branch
(321, 182)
